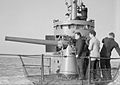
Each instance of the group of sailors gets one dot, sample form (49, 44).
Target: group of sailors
(99, 59)
(91, 47)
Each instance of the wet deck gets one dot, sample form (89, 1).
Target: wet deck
(15, 80)
(60, 80)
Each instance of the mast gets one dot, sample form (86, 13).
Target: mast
(74, 9)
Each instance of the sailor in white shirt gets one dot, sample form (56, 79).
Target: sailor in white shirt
(94, 47)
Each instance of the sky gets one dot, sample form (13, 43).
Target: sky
(34, 19)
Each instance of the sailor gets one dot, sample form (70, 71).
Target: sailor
(82, 12)
(80, 55)
(108, 45)
(94, 47)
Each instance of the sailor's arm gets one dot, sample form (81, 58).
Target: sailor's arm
(117, 48)
(90, 47)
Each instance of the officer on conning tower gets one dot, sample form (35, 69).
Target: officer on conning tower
(82, 11)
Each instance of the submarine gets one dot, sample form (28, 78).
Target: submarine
(63, 60)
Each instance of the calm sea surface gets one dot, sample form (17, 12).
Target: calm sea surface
(10, 67)
(12, 72)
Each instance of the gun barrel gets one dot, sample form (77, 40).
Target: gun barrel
(32, 41)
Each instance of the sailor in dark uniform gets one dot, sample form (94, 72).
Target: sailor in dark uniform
(81, 52)
(108, 44)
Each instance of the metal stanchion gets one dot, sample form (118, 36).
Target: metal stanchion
(50, 66)
(42, 69)
(25, 70)
(89, 75)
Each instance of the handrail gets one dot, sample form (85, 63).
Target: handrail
(104, 58)
(115, 76)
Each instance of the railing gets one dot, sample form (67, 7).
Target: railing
(116, 69)
(26, 65)
(42, 66)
